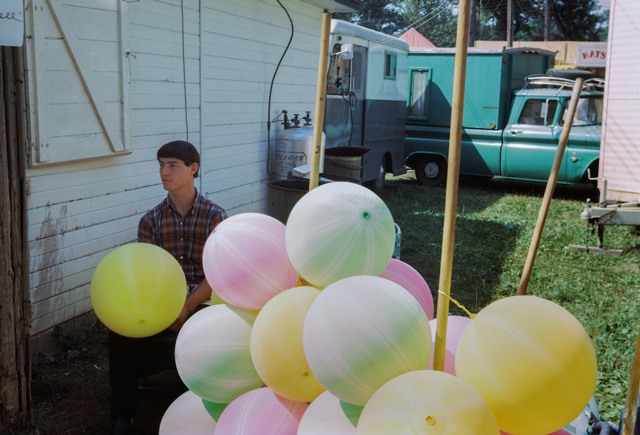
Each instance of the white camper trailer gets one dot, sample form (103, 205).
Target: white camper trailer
(619, 172)
(365, 106)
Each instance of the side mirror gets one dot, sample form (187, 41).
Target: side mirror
(548, 117)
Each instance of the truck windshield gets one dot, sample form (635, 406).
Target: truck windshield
(588, 111)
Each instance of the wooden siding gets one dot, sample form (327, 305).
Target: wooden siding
(78, 211)
(239, 55)
(620, 150)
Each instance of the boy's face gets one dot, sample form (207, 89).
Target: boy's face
(175, 174)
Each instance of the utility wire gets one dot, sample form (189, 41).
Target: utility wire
(271, 89)
(184, 71)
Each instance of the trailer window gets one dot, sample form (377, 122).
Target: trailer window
(390, 65)
(419, 98)
(588, 111)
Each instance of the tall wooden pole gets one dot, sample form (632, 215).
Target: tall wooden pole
(551, 185)
(631, 406)
(321, 94)
(453, 175)
(547, 19)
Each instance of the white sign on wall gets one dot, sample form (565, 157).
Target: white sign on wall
(11, 23)
(592, 55)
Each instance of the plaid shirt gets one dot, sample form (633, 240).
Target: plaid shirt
(184, 238)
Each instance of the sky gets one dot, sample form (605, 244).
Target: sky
(606, 4)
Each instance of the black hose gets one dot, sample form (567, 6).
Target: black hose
(271, 90)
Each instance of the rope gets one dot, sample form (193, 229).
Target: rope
(458, 304)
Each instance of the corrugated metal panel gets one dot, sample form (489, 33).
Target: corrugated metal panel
(620, 150)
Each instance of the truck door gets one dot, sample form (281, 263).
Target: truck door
(530, 140)
(344, 110)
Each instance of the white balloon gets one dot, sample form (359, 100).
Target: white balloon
(213, 357)
(339, 230)
(330, 415)
(187, 415)
(362, 331)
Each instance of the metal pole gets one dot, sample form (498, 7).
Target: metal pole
(509, 23)
(551, 185)
(453, 173)
(473, 23)
(320, 101)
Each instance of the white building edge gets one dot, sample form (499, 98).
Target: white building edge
(105, 90)
(620, 145)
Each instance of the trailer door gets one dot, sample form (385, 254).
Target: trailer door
(344, 112)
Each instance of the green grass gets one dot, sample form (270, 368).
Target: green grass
(494, 227)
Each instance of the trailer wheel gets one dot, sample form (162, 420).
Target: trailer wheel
(377, 184)
(431, 170)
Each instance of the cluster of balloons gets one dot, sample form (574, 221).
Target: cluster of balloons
(321, 331)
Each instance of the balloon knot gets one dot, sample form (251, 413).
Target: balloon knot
(431, 420)
(305, 373)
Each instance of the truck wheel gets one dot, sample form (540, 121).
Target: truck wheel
(431, 170)
(377, 184)
(569, 73)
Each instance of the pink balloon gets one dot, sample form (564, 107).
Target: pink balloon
(558, 432)
(455, 327)
(245, 260)
(261, 412)
(410, 279)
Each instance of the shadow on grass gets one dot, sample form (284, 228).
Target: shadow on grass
(481, 246)
(577, 192)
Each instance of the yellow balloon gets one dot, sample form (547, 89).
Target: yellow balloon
(138, 290)
(215, 299)
(302, 283)
(426, 402)
(276, 345)
(531, 360)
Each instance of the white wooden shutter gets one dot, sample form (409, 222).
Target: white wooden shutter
(79, 80)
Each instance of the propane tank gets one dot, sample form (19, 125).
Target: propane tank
(294, 147)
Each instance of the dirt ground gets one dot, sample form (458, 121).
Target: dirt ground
(70, 391)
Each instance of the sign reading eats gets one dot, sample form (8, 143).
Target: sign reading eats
(591, 55)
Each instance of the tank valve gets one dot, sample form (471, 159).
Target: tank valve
(295, 121)
(285, 121)
(307, 117)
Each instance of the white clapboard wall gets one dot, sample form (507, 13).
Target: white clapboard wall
(105, 88)
(620, 147)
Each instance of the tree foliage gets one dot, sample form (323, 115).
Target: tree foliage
(381, 15)
(433, 18)
(571, 20)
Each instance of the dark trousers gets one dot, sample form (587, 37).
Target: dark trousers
(132, 358)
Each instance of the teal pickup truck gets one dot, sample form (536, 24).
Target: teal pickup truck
(514, 111)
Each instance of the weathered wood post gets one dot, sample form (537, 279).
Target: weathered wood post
(551, 185)
(14, 361)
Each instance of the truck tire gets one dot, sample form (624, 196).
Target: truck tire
(569, 73)
(431, 170)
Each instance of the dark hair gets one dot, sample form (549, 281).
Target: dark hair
(183, 150)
